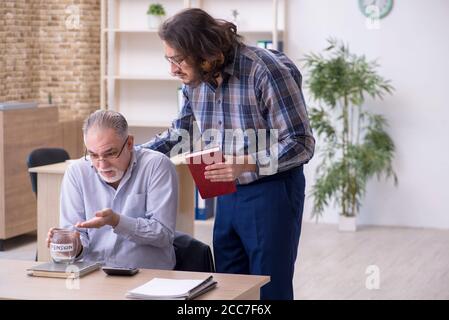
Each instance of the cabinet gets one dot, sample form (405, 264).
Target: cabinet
(21, 131)
(135, 77)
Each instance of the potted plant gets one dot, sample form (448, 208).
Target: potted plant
(156, 14)
(354, 143)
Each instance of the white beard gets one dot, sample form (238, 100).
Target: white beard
(118, 175)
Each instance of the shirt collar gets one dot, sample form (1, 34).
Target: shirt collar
(129, 170)
(233, 67)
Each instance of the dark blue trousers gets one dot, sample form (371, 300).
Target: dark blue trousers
(257, 231)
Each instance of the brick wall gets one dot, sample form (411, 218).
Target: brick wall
(17, 42)
(2, 50)
(44, 50)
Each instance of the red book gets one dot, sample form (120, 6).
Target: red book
(197, 163)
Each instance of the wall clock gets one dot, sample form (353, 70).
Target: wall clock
(376, 8)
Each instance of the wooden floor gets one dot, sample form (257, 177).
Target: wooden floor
(412, 263)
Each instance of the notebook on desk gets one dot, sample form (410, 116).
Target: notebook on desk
(60, 270)
(172, 289)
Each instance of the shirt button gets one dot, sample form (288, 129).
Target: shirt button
(219, 122)
(219, 101)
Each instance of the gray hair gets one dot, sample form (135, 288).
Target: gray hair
(107, 119)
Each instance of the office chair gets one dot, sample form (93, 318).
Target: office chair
(192, 254)
(42, 157)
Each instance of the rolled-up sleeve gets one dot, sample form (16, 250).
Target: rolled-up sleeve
(156, 226)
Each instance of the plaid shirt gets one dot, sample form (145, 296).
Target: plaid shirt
(261, 89)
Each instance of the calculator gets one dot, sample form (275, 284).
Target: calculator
(118, 271)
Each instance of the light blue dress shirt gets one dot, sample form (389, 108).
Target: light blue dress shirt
(146, 200)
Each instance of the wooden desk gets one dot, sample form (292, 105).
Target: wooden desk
(15, 284)
(49, 181)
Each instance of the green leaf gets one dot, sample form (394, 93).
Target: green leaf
(339, 81)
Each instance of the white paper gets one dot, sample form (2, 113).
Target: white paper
(161, 288)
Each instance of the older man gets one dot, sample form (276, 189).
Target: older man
(122, 199)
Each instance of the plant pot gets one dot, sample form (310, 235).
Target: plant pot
(347, 224)
(154, 21)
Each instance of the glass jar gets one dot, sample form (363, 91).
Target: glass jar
(64, 245)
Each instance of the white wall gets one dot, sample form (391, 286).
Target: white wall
(412, 45)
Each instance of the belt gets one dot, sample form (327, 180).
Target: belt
(277, 176)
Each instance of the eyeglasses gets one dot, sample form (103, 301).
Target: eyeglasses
(110, 155)
(174, 61)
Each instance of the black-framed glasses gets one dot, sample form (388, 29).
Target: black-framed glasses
(175, 60)
(110, 155)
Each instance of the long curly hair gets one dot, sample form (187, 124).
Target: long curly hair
(207, 44)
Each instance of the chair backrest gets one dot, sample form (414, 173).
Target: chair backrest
(44, 156)
(192, 254)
